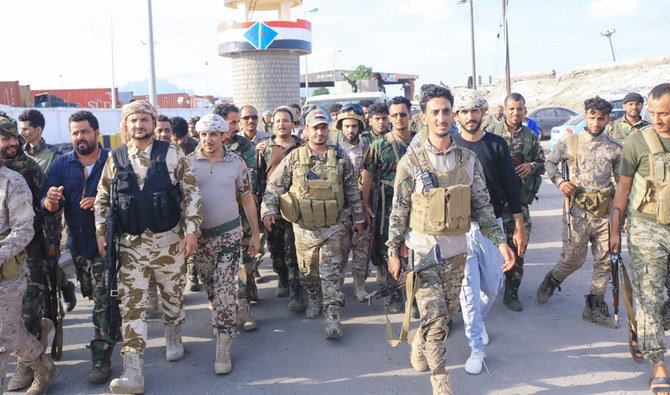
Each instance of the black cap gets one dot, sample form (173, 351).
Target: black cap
(634, 97)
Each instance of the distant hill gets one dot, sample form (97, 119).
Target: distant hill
(162, 86)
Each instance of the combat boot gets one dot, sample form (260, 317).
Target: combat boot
(131, 381)
(381, 276)
(511, 298)
(101, 355)
(416, 357)
(69, 296)
(45, 373)
(223, 363)
(296, 303)
(22, 377)
(395, 304)
(244, 315)
(174, 348)
(152, 297)
(332, 325)
(282, 288)
(313, 302)
(596, 311)
(441, 384)
(47, 326)
(192, 274)
(665, 315)
(359, 288)
(253, 290)
(547, 288)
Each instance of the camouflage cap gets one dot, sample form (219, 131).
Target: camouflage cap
(316, 117)
(138, 106)
(267, 113)
(470, 99)
(211, 123)
(8, 127)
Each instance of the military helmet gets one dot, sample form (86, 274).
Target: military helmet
(351, 111)
(8, 127)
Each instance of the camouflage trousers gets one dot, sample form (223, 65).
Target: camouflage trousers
(649, 247)
(33, 300)
(281, 243)
(380, 233)
(14, 338)
(585, 229)
(515, 275)
(245, 278)
(319, 254)
(217, 260)
(438, 301)
(91, 276)
(358, 244)
(137, 263)
(191, 270)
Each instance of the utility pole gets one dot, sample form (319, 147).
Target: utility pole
(472, 44)
(508, 79)
(609, 37)
(152, 67)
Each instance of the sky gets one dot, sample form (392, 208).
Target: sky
(68, 44)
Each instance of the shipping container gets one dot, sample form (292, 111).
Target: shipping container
(85, 98)
(170, 100)
(26, 100)
(10, 93)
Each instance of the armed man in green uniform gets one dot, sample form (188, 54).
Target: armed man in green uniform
(632, 121)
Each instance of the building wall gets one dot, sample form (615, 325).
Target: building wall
(266, 79)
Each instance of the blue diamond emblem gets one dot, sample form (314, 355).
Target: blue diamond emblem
(260, 35)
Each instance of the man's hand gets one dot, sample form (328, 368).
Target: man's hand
(87, 203)
(508, 256)
(394, 266)
(268, 221)
(102, 246)
(254, 245)
(369, 215)
(524, 170)
(615, 239)
(520, 239)
(567, 188)
(358, 229)
(53, 251)
(55, 194)
(190, 244)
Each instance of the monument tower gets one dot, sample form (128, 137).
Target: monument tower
(265, 54)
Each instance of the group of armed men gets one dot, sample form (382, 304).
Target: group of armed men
(377, 183)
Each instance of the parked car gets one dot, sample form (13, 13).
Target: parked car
(548, 117)
(575, 125)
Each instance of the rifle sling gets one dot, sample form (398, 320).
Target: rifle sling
(627, 294)
(410, 289)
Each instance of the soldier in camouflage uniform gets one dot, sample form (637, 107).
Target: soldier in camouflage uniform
(528, 159)
(458, 171)
(161, 252)
(280, 237)
(643, 190)
(241, 146)
(221, 176)
(311, 186)
(16, 232)
(631, 121)
(593, 160)
(379, 171)
(378, 114)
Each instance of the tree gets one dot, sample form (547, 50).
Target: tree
(362, 72)
(320, 91)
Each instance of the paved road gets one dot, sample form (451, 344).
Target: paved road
(544, 349)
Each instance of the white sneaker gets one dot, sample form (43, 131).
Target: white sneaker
(474, 364)
(485, 336)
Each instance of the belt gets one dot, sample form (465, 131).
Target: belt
(221, 229)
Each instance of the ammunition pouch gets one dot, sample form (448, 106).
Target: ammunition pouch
(651, 195)
(13, 266)
(597, 202)
(288, 207)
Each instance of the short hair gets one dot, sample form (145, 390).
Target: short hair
(179, 126)
(34, 117)
(248, 106)
(296, 106)
(431, 91)
(193, 120)
(401, 100)
(365, 103)
(162, 118)
(659, 90)
(286, 109)
(224, 109)
(335, 107)
(81, 116)
(516, 97)
(378, 108)
(597, 104)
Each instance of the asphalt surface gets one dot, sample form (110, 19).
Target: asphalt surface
(543, 349)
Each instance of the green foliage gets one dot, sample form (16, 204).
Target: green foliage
(320, 91)
(362, 72)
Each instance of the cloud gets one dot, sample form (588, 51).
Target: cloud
(606, 9)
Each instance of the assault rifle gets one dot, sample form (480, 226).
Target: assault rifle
(354, 88)
(433, 258)
(55, 310)
(374, 231)
(615, 257)
(567, 203)
(113, 237)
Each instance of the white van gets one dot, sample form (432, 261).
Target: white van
(325, 101)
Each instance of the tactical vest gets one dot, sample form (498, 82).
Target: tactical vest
(13, 266)
(444, 210)
(597, 202)
(651, 195)
(529, 185)
(157, 205)
(313, 203)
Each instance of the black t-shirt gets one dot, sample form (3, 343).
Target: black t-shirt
(501, 179)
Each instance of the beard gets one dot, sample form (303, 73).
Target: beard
(475, 130)
(6, 155)
(595, 134)
(85, 150)
(146, 134)
(351, 140)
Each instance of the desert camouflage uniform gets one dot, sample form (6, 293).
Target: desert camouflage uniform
(621, 128)
(516, 144)
(319, 250)
(598, 162)
(151, 253)
(440, 286)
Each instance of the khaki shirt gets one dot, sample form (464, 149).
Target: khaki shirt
(16, 214)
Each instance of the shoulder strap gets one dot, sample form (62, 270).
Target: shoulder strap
(331, 157)
(120, 156)
(657, 168)
(159, 150)
(527, 149)
(575, 153)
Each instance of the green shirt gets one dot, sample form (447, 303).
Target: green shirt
(382, 157)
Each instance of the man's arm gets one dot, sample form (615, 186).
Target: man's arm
(619, 206)
(102, 199)
(278, 183)
(552, 163)
(351, 192)
(404, 185)
(538, 157)
(20, 215)
(191, 195)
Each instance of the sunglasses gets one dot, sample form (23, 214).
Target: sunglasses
(399, 114)
(352, 107)
(248, 117)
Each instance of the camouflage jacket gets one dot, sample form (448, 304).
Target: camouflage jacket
(44, 154)
(408, 180)
(267, 157)
(368, 137)
(241, 146)
(621, 128)
(282, 178)
(16, 214)
(533, 155)
(381, 157)
(180, 172)
(189, 145)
